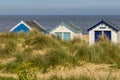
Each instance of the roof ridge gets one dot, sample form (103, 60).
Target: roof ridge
(69, 23)
(39, 24)
(74, 24)
(109, 22)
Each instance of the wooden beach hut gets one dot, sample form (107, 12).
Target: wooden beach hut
(26, 26)
(104, 27)
(66, 31)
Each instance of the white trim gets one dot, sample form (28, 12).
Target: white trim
(22, 22)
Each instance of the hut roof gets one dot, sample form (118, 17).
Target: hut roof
(34, 24)
(69, 24)
(108, 23)
(73, 26)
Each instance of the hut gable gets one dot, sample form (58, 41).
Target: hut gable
(65, 26)
(105, 23)
(22, 26)
(27, 26)
(66, 31)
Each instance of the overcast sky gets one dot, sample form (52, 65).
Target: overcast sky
(59, 7)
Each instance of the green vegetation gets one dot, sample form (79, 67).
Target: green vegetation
(7, 78)
(72, 78)
(84, 77)
(42, 52)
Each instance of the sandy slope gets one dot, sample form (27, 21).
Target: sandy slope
(89, 69)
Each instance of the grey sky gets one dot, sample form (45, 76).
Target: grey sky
(60, 7)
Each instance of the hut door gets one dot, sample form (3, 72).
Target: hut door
(59, 34)
(98, 34)
(66, 36)
(108, 34)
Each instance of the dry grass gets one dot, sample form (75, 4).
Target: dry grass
(85, 37)
(54, 57)
(88, 70)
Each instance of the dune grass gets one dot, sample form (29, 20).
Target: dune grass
(7, 78)
(84, 77)
(60, 57)
(58, 52)
(55, 51)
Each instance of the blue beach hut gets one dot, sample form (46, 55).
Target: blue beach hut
(26, 26)
(66, 31)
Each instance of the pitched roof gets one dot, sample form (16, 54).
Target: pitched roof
(69, 25)
(34, 24)
(22, 22)
(108, 23)
(112, 24)
(73, 26)
(30, 25)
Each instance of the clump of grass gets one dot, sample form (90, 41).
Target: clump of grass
(102, 52)
(8, 36)
(84, 77)
(76, 40)
(11, 66)
(82, 53)
(7, 78)
(37, 61)
(26, 72)
(109, 52)
(7, 48)
(39, 41)
(60, 57)
(71, 78)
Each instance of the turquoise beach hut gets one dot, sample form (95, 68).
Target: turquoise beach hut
(66, 31)
(26, 26)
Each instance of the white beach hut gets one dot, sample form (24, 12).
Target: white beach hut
(66, 31)
(104, 27)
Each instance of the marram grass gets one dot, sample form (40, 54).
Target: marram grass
(43, 51)
(7, 78)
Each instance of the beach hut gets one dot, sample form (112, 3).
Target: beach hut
(26, 26)
(104, 27)
(66, 31)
